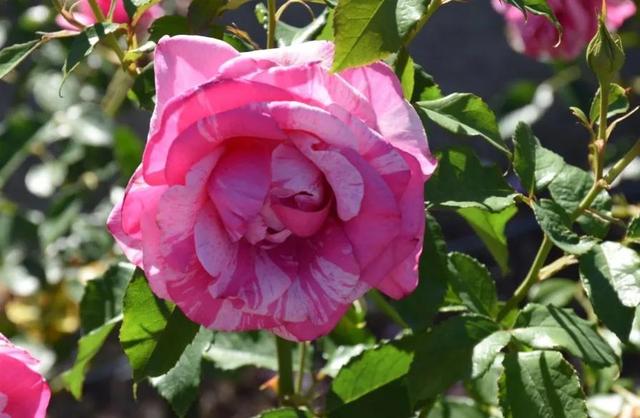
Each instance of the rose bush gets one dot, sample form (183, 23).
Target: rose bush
(23, 391)
(273, 193)
(537, 37)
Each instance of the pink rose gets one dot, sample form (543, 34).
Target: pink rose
(84, 15)
(537, 37)
(23, 391)
(273, 193)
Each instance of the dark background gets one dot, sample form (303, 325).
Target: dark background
(465, 50)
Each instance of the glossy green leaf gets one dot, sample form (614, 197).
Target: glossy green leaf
(490, 228)
(154, 333)
(541, 384)
(610, 274)
(485, 388)
(419, 308)
(618, 103)
(535, 165)
(487, 350)
(538, 7)
(444, 355)
(461, 181)
(555, 222)
(363, 385)
(292, 35)
(404, 68)
(170, 25)
(557, 292)
(633, 230)
(549, 327)
(88, 347)
(568, 189)
(12, 56)
(285, 413)
(102, 300)
(369, 30)
(136, 8)
(452, 407)
(425, 87)
(473, 284)
(179, 386)
(84, 43)
(464, 114)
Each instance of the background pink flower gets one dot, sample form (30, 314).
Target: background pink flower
(537, 37)
(23, 391)
(84, 15)
(273, 193)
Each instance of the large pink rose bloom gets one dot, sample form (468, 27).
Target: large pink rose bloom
(84, 15)
(537, 37)
(273, 193)
(23, 391)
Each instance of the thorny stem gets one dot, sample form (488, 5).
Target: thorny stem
(543, 252)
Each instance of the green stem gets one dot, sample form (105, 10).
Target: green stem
(431, 9)
(598, 150)
(530, 279)
(116, 92)
(110, 39)
(386, 307)
(271, 28)
(543, 252)
(285, 368)
(303, 357)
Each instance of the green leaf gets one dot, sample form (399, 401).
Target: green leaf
(375, 373)
(154, 333)
(633, 230)
(473, 284)
(618, 103)
(84, 42)
(555, 222)
(419, 308)
(369, 30)
(464, 114)
(179, 386)
(535, 165)
(486, 352)
(568, 189)
(452, 407)
(202, 12)
(404, 67)
(538, 7)
(285, 413)
(541, 384)
(557, 292)
(340, 357)
(461, 181)
(144, 90)
(102, 300)
(12, 56)
(292, 35)
(136, 8)
(88, 347)
(170, 25)
(485, 388)
(490, 228)
(610, 274)
(549, 328)
(443, 355)
(127, 148)
(232, 351)
(425, 87)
